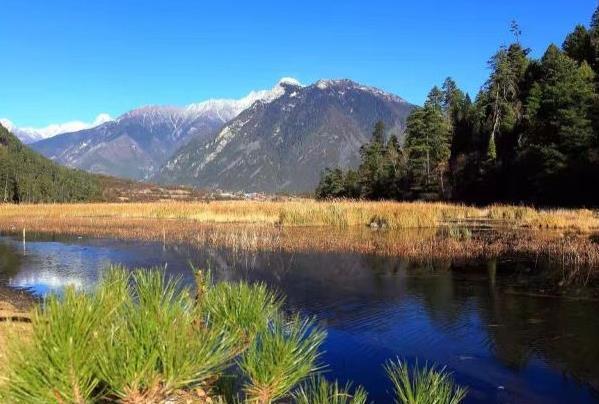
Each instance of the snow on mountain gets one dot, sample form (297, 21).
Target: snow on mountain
(230, 108)
(139, 142)
(219, 109)
(29, 135)
(283, 141)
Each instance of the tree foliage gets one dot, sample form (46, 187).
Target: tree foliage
(25, 176)
(530, 136)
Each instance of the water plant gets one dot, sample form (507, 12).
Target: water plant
(422, 385)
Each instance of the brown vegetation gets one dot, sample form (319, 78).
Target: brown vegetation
(308, 212)
(573, 253)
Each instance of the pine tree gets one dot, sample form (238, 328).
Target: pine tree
(371, 170)
(559, 138)
(578, 45)
(502, 92)
(428, 147)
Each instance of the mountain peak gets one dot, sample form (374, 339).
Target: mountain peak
(346, 84)
(290, 81)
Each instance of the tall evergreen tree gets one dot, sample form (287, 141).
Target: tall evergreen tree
(508, 67)
(428, 147)
(559, 134)
(371, 171)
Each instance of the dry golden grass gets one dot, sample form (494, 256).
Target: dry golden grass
(309, 212)
(308, 225)
(573, 252)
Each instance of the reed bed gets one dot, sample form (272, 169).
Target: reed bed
(307, 212)
(574, 254)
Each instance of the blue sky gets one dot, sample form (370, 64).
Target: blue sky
(71, 60)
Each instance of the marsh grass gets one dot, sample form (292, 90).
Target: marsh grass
(573, 253)
(309, 212)
(423, 385)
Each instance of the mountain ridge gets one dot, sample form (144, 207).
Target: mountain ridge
(284, 144)
(138, 142)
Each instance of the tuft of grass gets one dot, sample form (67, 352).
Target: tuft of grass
(425, 385)
(280, 358)
(317, 390)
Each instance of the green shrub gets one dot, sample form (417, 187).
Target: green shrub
(425, 385)
(155, 346)
(318, 390)
(240, 309)
(280, 358)
(55, 364)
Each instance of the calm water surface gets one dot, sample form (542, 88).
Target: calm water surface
(504, 346)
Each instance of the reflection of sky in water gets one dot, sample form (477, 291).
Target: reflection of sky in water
(506, 348)
(48, 266)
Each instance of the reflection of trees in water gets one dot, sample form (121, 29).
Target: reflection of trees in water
(562, 332)
(10, 262)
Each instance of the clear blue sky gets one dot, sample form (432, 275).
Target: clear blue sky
(64, 60)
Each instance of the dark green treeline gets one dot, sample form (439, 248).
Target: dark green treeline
(27, 177)
(530, 136)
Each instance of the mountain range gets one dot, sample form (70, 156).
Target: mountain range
(138, 143)
(276, 140)
(29, 135)
(284, 144)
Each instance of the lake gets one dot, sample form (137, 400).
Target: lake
(505, 346)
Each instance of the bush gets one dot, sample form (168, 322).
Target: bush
(240, 309)
(140, 337)
(425, 385)
(280, 358)
(318, 390)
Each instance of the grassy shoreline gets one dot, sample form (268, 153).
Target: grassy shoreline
(307, 212)
(416, 231)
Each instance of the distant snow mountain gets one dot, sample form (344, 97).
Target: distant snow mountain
(283, 141)
(30, 135)
(139, 142)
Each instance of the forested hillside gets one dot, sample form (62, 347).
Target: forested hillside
(530, 136)
(27, 177)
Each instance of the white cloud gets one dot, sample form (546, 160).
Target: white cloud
(29, 134)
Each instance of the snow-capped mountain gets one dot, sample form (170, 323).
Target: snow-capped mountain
(139, 142)
(282, 142)
(30, 135)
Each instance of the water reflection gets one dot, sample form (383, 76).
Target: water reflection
(506, 347)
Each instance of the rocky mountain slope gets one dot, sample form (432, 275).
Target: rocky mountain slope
(138, 143)
(282, 143)
(29, 135)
